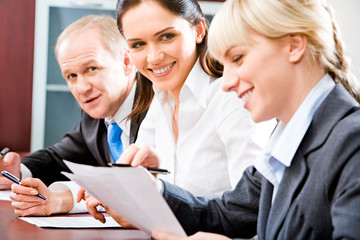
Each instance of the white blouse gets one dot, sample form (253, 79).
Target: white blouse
(217, 139)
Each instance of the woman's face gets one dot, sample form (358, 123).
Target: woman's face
(260, 73)
(162, 45)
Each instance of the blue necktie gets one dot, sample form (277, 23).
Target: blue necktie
(114, 141)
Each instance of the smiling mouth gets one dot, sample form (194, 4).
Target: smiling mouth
(163, 70)
(245, 96)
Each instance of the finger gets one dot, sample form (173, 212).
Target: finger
(33, 211)
(25, 198)
(127, 156)
(146, 157)
(91, 205)
(24, 190)
(80, 195)
(24, 205)
(30, 186)
(34, 183)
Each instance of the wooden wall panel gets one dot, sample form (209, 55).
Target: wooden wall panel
(17, 19)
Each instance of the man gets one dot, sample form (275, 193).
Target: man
(94, 61)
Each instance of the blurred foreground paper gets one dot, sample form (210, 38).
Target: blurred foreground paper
(130, 192)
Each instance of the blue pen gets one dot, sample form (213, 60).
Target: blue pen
(16, 180)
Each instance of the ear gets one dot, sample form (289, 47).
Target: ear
(298, 45)
(128, 63)
(200, 31)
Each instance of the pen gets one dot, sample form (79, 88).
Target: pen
(16, 180)
(150, 169)
(3, 152)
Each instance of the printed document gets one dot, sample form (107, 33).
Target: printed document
(71, 222)
(130, 192)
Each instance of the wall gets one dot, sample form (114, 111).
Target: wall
(16, 70)
(347, 14)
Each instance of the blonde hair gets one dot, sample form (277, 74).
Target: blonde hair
(278, 18)
(107, 27)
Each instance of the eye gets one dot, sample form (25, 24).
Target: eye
(136, 45)
(167, 36)
(237, 59)
(92, 69)
(71, 76)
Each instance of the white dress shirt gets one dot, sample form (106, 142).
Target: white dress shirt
(216, 141)
(120, 118)
(285, 140)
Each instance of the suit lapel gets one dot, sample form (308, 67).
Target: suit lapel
(292, 181)
(335, 106)
(265, 206)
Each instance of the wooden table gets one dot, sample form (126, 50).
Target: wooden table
(12, 228)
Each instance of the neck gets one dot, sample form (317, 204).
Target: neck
(123, 97)
(304, 80)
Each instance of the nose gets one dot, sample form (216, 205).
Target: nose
(230, 80)
(154, 55)
(83, 85)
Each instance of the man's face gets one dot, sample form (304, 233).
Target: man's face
(94, 76)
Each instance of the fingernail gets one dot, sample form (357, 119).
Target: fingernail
(33, 192)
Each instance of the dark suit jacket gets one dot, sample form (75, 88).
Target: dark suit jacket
(318, 197)
(85, 144)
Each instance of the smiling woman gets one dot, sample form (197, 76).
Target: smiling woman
(191, 123)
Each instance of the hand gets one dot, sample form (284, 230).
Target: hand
(26, 203)
(198, 236)
(11, 163)
(92, 204)
(144, 155)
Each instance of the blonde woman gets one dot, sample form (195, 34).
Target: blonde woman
(285, 60)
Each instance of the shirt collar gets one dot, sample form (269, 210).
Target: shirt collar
(123, 112)
(196, 83)
(288, 138)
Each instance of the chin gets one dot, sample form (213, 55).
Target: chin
(96, 115)
(256, 118)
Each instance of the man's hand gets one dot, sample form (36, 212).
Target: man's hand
(26, 203)
(11, 163)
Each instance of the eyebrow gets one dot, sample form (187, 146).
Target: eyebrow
(156, 34)
(66, 70)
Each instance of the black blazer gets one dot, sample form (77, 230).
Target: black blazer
(318, 197)
(85, 144)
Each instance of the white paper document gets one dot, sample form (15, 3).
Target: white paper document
(71, 222)
(130, 192)
(4, 195)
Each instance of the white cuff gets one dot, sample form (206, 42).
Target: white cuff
(25, 171)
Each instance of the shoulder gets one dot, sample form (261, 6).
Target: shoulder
(348, 127)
